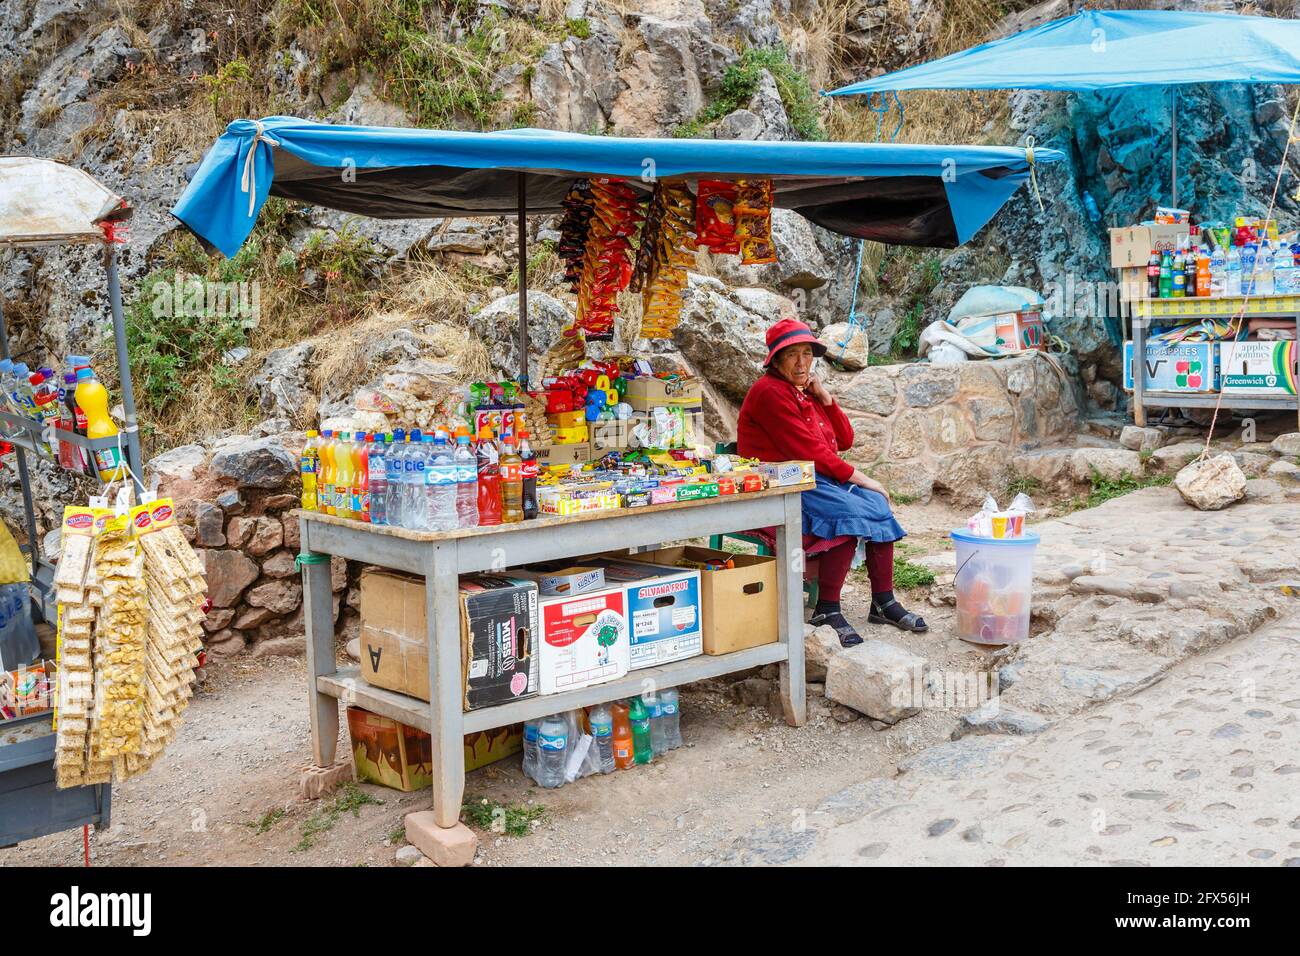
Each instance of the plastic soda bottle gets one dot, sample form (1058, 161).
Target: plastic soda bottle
(325, 473)
(602, 732)
(512, 482)
(393, 469)
(377, 476)
(308, 466)
(639, 717)
(530, 748)
(528, 472)
(1166, 275)
(623, 752)
(1153, 275)
(466, 482)
(361, 477)
(658, 741)
(552, 748)
(343, 476)
(92, 397)
(1203, 274)
(489, 479)
(670, 703)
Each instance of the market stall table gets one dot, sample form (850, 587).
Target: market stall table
(440, 557)
(1146, 311)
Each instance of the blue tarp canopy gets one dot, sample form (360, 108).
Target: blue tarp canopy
(906, 195)
(1110, 49)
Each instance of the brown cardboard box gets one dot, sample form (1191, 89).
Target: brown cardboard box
(608, 436)
(1132, 245)
(389, 753)
(739, 604)
(498, 628)
(578, 453)
(645, 393)
(1132, 283)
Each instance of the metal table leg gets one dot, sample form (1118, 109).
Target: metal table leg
(318, 605)
(1139, 366)
(442, 611)
(789, 596)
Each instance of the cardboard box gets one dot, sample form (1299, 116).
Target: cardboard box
(1188, 367)
(1132, 245)
(782, 473)
(1019, 331)
(1132, 283)
(498, 622)
(584, 640)
(645, 393)
(1258, 368)
(564, 581)
(570, 454)
(663, 606)
(390, 753)
(739, 607)
(608, 436)
(577, 419)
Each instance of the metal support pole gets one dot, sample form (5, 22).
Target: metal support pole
(523, 280)
(124, 370)
(1173, 150)
(24, 480)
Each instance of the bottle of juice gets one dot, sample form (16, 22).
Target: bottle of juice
(343, 476)
(489, 479)
(308, 466)
(361, 477)
(512, 482)
(92, 397)
(623, 752)
(325, 474)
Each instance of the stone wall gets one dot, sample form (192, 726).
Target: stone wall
(233, 501)
(954, 429)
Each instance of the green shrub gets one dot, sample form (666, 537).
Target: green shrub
(740, 82)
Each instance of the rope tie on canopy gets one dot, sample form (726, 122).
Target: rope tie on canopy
(1033, 172)
(248, 181)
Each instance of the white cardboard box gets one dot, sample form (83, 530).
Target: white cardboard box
(1258, 368)
(585, 640)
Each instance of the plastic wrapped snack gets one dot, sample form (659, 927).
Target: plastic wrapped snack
(715, 205)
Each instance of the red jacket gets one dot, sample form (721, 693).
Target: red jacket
(780, 423)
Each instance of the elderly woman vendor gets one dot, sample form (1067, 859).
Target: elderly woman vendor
(787, 415)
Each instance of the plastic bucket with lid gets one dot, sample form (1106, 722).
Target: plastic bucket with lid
(994, 584)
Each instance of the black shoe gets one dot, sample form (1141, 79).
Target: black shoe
(848, 636)
(904, 621)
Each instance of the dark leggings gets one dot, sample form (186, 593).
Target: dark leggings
(833, 568)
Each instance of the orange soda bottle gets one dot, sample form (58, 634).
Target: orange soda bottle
(623, 752)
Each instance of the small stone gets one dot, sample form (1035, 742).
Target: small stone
(279, 565)
(278, 597)
(820, 644)
(280, 502)
(993, 717)
(409, 856)
(1212, 484)
(1287, 445)
(252, 617)
(845, 715)
(940, 827)
(1137, 438)
(752, 691)
(338, 573)
(208, 521)
(267, 535)
(231, 502)
(354, 648)
(218, 618)
(238, 530)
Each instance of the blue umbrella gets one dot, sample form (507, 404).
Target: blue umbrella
(1114, 49)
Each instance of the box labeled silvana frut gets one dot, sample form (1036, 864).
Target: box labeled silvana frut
(1259, 368)
(1180, 367)
(663, 608)
(584, 640)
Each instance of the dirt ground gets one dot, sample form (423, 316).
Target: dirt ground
(226, 792)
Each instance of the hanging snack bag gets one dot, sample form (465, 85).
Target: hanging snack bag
(715, 224)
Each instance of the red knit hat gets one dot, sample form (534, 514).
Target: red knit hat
(790, 332)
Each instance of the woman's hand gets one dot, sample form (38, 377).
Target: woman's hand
(863, 481)
(817, 390)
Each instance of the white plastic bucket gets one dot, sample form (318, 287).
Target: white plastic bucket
(994, 584)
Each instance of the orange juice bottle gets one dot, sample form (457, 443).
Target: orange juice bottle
(361, 477)
(343, 476)
(92, 398)
(623, 751)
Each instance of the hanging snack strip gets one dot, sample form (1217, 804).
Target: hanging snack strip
(607, 263)
(579, 207)
(753, 211)
(75, 667)
(176, 587)
(667, 251)
(120, 633)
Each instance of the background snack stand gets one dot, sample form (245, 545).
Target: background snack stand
(44, 203)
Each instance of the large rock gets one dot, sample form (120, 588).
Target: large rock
(1288, 445)
(846, 345)
(254, 463)
(1176, 455)
(282, 385)
(820, 645)
(182, 463)
(667, 65)
(877, 679)
(208, 522)
(574, 85)
(1109, 463)
(497, 324)
(1211, 484)
(278, 597)
(1137, 438)
(227, 573)
(802, 265)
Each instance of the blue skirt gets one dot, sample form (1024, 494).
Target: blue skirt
(833, 509)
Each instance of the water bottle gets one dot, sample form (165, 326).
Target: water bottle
(530, 748)
(669, 702)
(1284, 274)
(552, 748)
(1218, 272)
(1233, 271)
(1264, 269)
(1249, 259)
(639, 718)
(602, 732)
(658, 742)
(378, 467)
(393, 470)
(440, 486)
(413, 482)
(466, 483)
